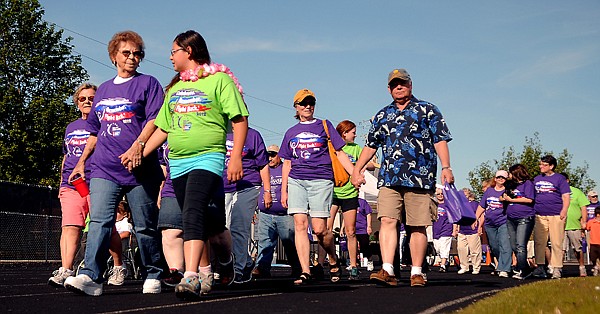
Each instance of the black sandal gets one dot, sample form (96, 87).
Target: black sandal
(337, 274)
(304, 278)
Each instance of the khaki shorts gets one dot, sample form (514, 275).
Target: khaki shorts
(413, 207)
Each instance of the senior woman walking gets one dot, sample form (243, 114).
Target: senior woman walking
(121, 121)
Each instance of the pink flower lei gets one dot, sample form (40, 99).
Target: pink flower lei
(205, 70)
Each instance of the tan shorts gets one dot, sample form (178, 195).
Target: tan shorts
(413, 207)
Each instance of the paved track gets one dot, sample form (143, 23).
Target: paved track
(24, 289)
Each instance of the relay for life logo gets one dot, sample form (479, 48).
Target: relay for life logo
(305, 143)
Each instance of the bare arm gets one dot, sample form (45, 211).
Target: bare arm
(133, 156)
(345, 161)
(583, 216)
(156, 139)
(566, 199)
(265, 177)
(235, 171)
(285, 172)
(357, 177)
(441, 148)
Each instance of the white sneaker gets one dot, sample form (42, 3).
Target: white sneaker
(518, 275)
(151, 286)
(503, 274)
(550, 270)
(462, 271)
(117, 276)
(557, 273)
(59, 276)
(475, 272)
(370, 266)
(83, 284)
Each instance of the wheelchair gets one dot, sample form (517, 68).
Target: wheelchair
(130, 256)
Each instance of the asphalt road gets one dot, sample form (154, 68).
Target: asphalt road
(24, 288)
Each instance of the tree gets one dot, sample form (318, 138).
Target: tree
(38, 74)
(530, 158)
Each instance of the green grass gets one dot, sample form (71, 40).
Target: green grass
(568, 295)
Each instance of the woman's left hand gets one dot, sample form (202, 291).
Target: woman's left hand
(132, 158)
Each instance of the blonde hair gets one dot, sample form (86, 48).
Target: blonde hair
(81, 87)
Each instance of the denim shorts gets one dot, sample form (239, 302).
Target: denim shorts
(312, 197)
(169, 214)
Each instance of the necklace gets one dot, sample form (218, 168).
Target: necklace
(205, 70)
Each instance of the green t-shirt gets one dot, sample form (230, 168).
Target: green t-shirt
(348, 190)
(578, 199)
(196, 115)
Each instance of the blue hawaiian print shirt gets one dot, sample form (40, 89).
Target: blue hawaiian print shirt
(407, 140)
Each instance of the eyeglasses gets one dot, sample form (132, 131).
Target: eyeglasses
(83, 98)
(544, 164)
(272, 154)
(500, 177)
(136, 54)
(439, 194)
(592, 196)
(175, 50)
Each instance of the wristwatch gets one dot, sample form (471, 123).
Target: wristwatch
(142, 143)
(444, 168)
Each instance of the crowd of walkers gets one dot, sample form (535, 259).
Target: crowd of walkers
(193, 174)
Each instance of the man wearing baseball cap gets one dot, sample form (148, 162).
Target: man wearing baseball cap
(404, 192)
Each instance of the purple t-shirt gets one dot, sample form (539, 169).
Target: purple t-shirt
(591, 214)
(363, 210)
(305, 144)
(254, 157)
(495, 216)
(442, 227)
(119, 113)
(163, 158)
(74, 142)
(548, 194)
(276, 209)
(519, 210)
(468, 230)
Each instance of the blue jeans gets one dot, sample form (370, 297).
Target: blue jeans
(270, 228)
(105, 196)
(519, 231)
(500, 245)
(239, 209)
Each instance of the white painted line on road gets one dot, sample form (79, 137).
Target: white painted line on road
(442, 306)
(191, 303)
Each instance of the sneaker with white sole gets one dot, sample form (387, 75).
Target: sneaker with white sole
(518, 275)
(582, 271)
(206, 282)
(462, 271)
(151, 286)
(59, 276)
(556, 273)
(83, 284)
(370, 266)
(503, 274)
(117, 276)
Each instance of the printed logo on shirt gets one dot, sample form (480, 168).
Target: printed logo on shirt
(494, 203)
(115, 109)
(441, 211)
(229, 146)
(545, 187)
(189, 101)
(75, 141)
(306, 143)
(275, 180)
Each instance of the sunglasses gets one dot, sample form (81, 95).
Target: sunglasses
(596, 196)
(136, 54)
(439, 194)
(83, 98)
(500, 177)
(307, 103)
(272, 154)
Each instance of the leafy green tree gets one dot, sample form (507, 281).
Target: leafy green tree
(530, 158)
(38, 74)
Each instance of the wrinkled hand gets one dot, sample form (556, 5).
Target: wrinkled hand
(358, 179)
(132, 158)
(79, 170)
(447, 176)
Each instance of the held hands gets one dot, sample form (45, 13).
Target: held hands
(132, 158)
(358, 178)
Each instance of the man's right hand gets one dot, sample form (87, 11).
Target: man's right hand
(79, 170)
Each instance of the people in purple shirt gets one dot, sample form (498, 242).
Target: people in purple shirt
(468, 240)
(442, 231)
(552, 197)
(520, 216)
(121, 122)
(74, 207)
(364, 229)
(307, 178)
(274, 223)
(241, 198)
(495, 223)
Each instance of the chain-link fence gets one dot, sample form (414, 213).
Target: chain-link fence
(29, 237)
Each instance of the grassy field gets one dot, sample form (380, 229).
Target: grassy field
(568, 295)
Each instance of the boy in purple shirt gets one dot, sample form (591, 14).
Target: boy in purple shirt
(552, 197)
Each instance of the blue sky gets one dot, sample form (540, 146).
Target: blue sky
(498, 71)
